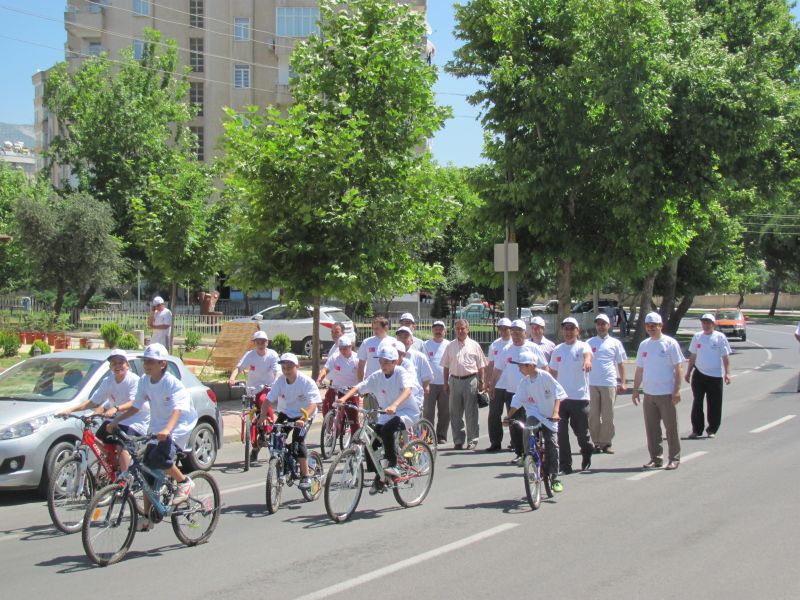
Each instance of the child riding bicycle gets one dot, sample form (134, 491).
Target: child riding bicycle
(342, 367)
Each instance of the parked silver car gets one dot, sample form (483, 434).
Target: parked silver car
(32, 440)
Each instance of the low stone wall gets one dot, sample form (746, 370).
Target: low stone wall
(752, 301)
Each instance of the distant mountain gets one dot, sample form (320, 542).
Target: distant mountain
(17, 133)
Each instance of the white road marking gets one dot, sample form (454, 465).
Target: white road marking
(773, 424)
(241, 488)
(684, 459)
(404, 564)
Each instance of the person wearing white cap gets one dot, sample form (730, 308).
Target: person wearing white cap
(407, 320)
(343, 369)
(422, 368)
(658, 371)
(570, 364)
(160, 321)
(497, 395)
(292, 393)
(392, 387)
(172, 419)
(537, 337)
(437, 402)
(707, 368)
(606, 378)
(539, 396)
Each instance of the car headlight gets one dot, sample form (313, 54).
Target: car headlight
(24, 428)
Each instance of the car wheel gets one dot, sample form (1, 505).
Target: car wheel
(308, 344)
(56, 454)
(744, 336)
(203, 448)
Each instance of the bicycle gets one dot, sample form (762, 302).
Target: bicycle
(421, 430)
(284, 468)
(345, 479)
(110, 522)
(535, 465)
(251, 434)
(337, 426)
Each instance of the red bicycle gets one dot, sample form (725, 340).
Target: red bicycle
(252, 435)
(338, 426)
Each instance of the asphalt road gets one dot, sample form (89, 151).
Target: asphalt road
(722, 526)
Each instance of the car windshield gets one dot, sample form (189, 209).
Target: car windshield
(48, 379)
(337, 316)
(728, 314)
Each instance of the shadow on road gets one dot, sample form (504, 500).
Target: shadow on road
(80, 562)
(508, 506)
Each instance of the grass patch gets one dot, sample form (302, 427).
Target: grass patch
(10, 361)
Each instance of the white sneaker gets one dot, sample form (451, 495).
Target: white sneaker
(305, 483)
(143, 524)
(183, 491)
(391, 472)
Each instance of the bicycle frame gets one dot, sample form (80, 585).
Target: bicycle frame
(366, 440)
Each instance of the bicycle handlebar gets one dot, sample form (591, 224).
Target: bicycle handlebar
(86, 419)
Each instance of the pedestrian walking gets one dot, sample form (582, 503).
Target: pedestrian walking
(606, 378)
(538, 338)
(408, 320)
(160, 321)
(436, 407)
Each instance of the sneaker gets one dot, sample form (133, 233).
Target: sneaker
(692, 436)
(653, 464)
(556, 486)
(608, 450)
(183, 491)
(458, 446)
(376, 488)
(305, 483)
(712, 435)
(597, 450)
(517, 459)
(143, 524)
(254, 454)
(391, 472)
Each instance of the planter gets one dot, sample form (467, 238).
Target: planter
(51, 338)
(25, 337)
(39, 336)
(84, 342)
(62, 342)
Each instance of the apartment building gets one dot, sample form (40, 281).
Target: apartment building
(238, 50)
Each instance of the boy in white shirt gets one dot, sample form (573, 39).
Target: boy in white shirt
(342, 366)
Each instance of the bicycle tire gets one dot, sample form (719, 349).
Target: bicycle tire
(316, 472)
(246, 434)
(343, 485)
(109, 526)
(416, 463)
(427, 433)
(68, 494)
(533, 482)
(327, 436)
(194, 521)
(274, 487)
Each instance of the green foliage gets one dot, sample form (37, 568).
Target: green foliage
(111, 334)
(192, 341)
(14, 266)
(44, 347)
(127, 342)
(9, 343)
(281, 343)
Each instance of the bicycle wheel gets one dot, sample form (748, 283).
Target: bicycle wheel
(274, 485)
(246, 434)
(68, 494)
(195, 520)
(109, 525)
(343, 485)
(316, 472)
(426, 432)
(415, 463)
(327, 441)
(533, 482)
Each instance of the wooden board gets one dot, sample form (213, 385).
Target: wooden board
(232, 342)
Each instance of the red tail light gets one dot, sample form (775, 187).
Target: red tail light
(212, 395)
(328, 325)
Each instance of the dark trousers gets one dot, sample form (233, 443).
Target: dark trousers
(711, 389)
(550, 446)
(386, 433)
(515, 433)
(496, 405)
(575, 414)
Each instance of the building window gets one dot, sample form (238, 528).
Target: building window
(200, 148)
(196, 14)
(196, 96)
(241, 76)
(196, 54)
(141, 8)
(297, 22)
(138, 49)
(241, 29)
(94, 48)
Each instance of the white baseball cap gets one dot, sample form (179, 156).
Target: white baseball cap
(117, 353)
(288, 357)
(570, 321)
(407, 317)
(404, 329)
(387, 352)
(708, 317)
(537, 321)
(602, 317)
(400, 346)
(653, 317)
(518, 324)
(157, 300)
(529, 358)
(343, 341)
(156, 351)
(438, 324)
(504, 322)
(260, 335)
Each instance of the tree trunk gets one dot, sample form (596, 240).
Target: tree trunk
(564, 293)
(59, 300)
(668, 300)
(315, 339)
(644, 307)
(675, 318)
(776, 290)
(83, 300)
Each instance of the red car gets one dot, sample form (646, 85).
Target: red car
(732, 322)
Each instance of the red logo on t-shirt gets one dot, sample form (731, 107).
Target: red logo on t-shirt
(594, 349)
(531, 400)
(252, 367)
(558, 359)
(430, 353)
(338, 368)
(508, 359)
(699, 345)
(644, 354)
(372, 349)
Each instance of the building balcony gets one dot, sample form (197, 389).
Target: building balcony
(84, 20)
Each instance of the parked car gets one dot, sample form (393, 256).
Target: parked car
(32, 439)
(732, 322)
(477, 312)
(298, 322)
(548, 308)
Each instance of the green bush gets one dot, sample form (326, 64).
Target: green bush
(128, 342)
(9, 343)
(43, 346)
(281, 343)
(192, 341)
(111, 334)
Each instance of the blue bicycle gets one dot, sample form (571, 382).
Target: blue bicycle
(284, 468)
(535, 465)
(110, 522)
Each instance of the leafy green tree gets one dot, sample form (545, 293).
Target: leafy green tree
(14, 272)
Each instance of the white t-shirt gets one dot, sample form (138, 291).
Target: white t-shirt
(110, 393)
(567, 360)
(546, 346)
(511, 375)
(496, 347)
(161, 336)
(261, 370)
(659, 358)
(434, 352)
(421, 365)
(368, 351)
(607, 353)
(165, 397)
(416, 390)
(387, 389)
(417, 344)
(538, 395)
(291, 397)
(708, 351)
(343, 372)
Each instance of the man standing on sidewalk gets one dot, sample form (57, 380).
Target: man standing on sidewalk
(160, 321)
(537, 337)
(708, 365)
(606, 378)
(658, 369)
(407, 320)
(497, 395)
(437, 402)
(464, 364)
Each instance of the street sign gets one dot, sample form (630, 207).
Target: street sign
(500, 256)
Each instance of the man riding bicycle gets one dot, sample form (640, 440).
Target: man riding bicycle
(342, 368)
